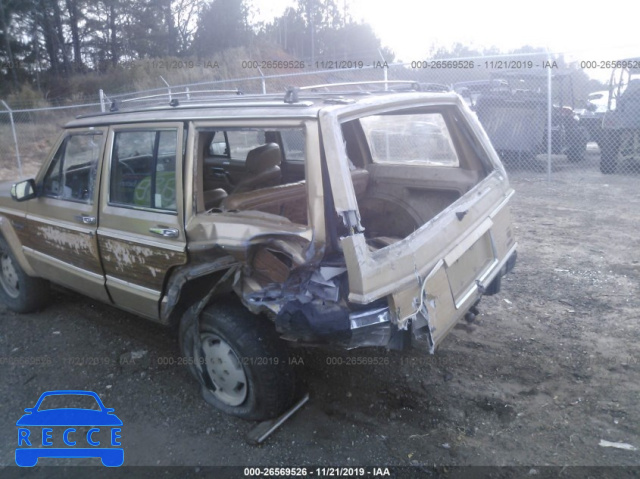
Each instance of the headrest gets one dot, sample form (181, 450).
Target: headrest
(263, 158)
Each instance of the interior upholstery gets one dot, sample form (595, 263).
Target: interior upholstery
(212, 198)
(289, 200)
(262, 168)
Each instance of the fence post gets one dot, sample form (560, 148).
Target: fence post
(549, 119)
(263, 81)
(15, 137)
(386, 71)
(168, 87)
(101, 94)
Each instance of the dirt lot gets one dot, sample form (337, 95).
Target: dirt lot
(549, 369)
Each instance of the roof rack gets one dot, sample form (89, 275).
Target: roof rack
(173, 97)
(292, 93)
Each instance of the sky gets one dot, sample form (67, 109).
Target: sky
(410, 28)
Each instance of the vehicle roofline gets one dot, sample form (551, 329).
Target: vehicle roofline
(307, 107)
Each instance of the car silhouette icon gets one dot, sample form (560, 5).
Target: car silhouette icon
(65, 420)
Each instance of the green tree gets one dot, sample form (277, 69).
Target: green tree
(223, 24)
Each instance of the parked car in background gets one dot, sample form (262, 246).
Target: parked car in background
(516, 117)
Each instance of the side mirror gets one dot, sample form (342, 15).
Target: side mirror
(24, 190)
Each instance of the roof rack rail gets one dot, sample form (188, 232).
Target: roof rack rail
(292, 93)
(187, 94)
(412, 83)
(171, 96)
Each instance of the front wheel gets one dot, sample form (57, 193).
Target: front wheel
(19, 291)
(241, 363)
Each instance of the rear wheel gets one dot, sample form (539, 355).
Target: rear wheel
(577, 144)
(241, 363)
(628, 153)
(19, 291)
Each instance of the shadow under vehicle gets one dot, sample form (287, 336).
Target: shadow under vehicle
(620, 134)
(515, 116)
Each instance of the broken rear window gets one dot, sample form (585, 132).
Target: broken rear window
(421, 139)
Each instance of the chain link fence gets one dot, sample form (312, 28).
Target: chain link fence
(27, 135)
(532, 114)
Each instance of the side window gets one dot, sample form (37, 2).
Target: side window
(72, 173)
(143, 169)
(219, 146)
(293, 141)
(241, 142)
(419, 139)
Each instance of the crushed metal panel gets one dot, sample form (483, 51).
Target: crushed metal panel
(187, 273)
(439, 304)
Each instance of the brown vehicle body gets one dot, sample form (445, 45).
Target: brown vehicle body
(348, 220)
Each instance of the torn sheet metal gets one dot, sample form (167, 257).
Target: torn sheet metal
(428, 306)
(324, 283)
(185, 274)
(195, 311)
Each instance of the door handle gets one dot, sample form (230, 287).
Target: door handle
(165, 232)
(86, 220)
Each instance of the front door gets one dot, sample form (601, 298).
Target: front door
(61, 243)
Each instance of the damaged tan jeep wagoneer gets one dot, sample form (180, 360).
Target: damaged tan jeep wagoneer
(331, 216)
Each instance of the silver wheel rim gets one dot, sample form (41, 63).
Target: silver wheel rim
(9, 276)
(225, 370)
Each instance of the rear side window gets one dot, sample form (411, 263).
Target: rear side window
(72, 173)
(236, 144)
(143, 169)
(421, 139)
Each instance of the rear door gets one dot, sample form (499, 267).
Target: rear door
(141, 229)
(61, 243)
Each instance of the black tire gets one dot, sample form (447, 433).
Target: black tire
(257, 361)
(577, 145)
(20, 292)
(609, 152)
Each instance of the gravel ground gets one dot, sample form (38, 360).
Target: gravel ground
(549, 369)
